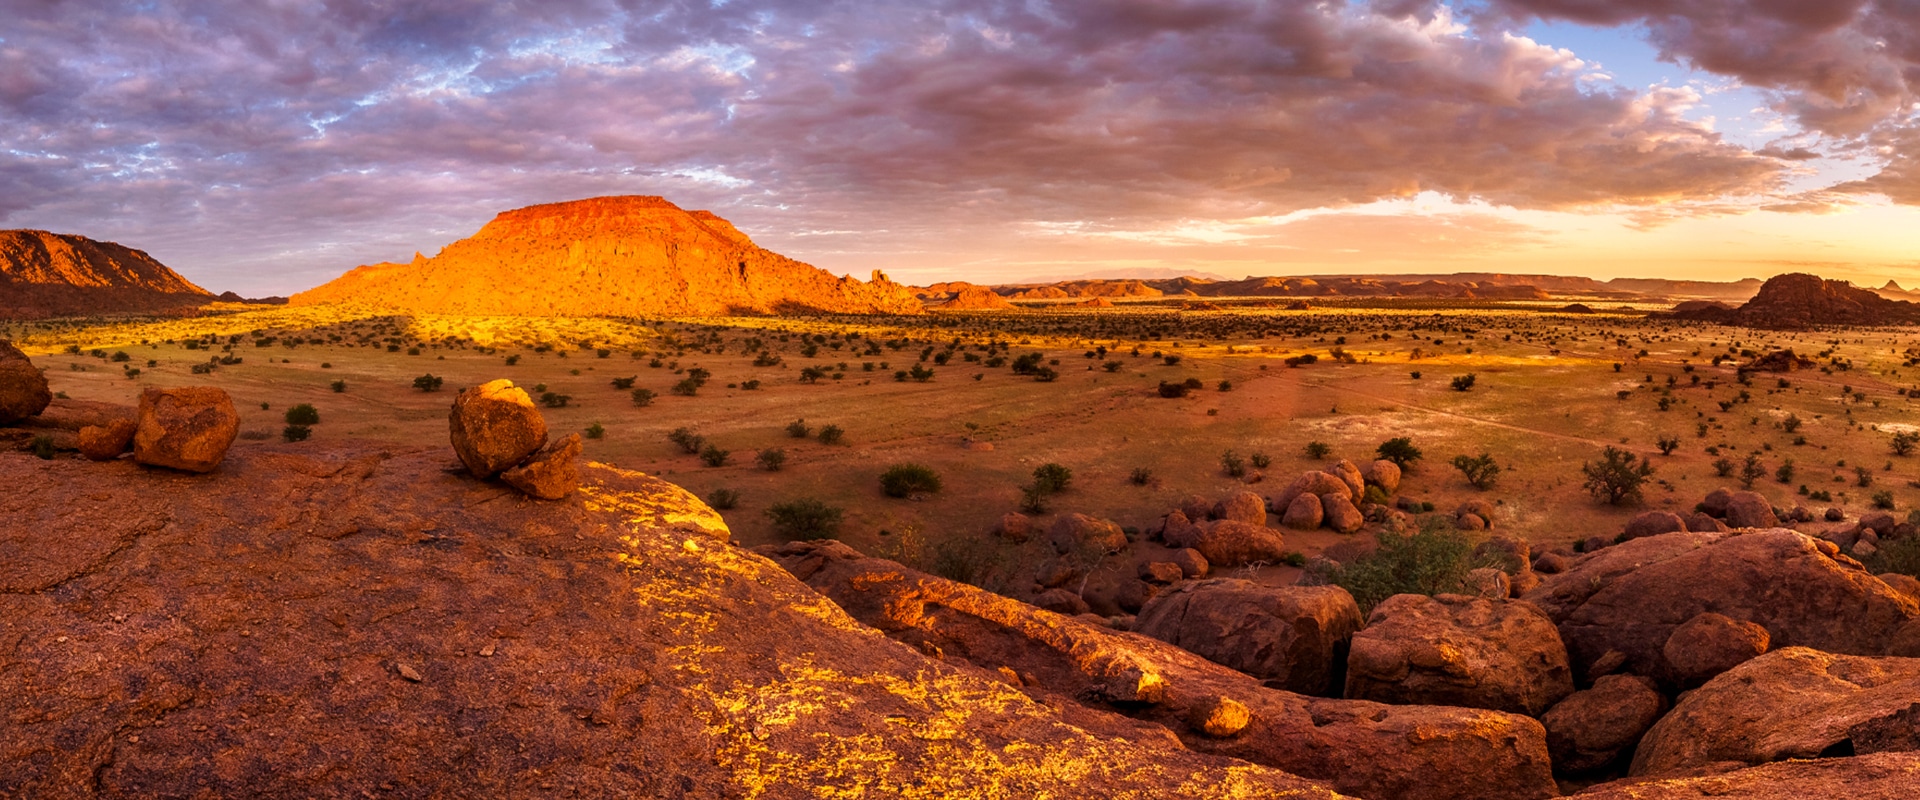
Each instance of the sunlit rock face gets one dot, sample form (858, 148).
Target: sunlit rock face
(390, 625)
(49, 275)
(609, 256)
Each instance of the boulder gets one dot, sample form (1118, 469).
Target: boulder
(1227, 543)
(495, 427)
(106, 443)
(1709, 644)
(1882, 776)
(1631, 597)
(1059, 571)
(1015, 527)
(1177, 527)
(1880, 522)
(1476, 508)
(1292, 637)
(1192, 563)
(1244, 507)
(1304, 513)
(1650, 523)
(1195, 508)
(1717, 502)
(1833, 514)
(1349, 473)
(1313, 483)
(1593, 728)
(1906, 641)
(1489, 583)
(187, 428)
(329, 620)
(1061, 601)
(1702, 522)
(1904, 584)
(1366, 749)
(1159, 571)
(1339, 513)
(1470, 522)
(1750, 510)
(1791, 703)
(1551, 563)
(1132, 595)
(1220, 717)
(1894, 733)
(1384, 474)
(1455, 650)
(1079, 533)
(23, 389)
(71, 415)
(552, 473)
(1511, 554)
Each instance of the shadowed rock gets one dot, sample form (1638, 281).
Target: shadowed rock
(1592, 729)
(1456, 650)
(105, 443)
(1292, 637)
(23, 389)
(1884, 776)
(550, 474)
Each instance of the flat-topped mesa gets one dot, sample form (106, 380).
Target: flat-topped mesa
(637, 255)
(44, 274)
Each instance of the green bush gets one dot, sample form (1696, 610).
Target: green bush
(1140, 476)
(805, 519)
(428, 383)
(338, 386)
(642, 397)
(901, 480)
(714, 456)
(1400, 451)
(596, 431)
(689, 442)
(798, 429)
(772, 459)
(43, 447)
(1616, 478)
(296, 433)
(303, 414)
(723, 499)
(1232, 464)
(1883, 500)
(1051, 477)
(1433, 560)
(831, 434)
(1897, 555)
(1481, 471)
(1319, 450)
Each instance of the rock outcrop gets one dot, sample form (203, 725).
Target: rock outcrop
(1375, 751)
(1630, 598)
(1799, 300)
(1228, 543)
(46, 274)
(609, 256)
(386, 628)
(1883, 776)
(23, 388)
(495, 427)
(1292, 637)
(976, 298)
(1459, 651)
(1593, 728)
(1790, 703)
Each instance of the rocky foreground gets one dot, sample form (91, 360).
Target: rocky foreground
(179, 617)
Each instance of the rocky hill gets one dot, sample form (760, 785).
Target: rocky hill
(1460, 286)
(627, 256)
(46, 274)
(1799, 300)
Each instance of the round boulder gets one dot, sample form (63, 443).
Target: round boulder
(23, 389)
(1709, 644)
(106, 443)
(188, 428)
(1751, 510)
(1340, 514)
(550, 474)
(1349, 474)
(1313, 483)
(1015, 527)
(1592, 729)
(1454, 650)
(1191, 563)
(1077, 532)
(1304, 512)
(1244, 507)
(1294, 637)
(1652, 523)
(495, 427)
(1384, 474)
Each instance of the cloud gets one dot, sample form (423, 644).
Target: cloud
(268, 146)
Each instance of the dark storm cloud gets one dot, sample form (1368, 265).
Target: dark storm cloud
(271, 145)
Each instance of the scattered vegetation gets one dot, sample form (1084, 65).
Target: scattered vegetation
(906, 480)
(1617, 477)
(1480, 470)
(806, 519)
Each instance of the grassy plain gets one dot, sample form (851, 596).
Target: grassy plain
(1550, 391)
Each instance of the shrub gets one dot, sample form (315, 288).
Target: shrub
(1463, 382)
(805, 519)
(1897, 555)
(513, 359)
(1723, 467)
(688, 441)
(296, 433)
(596, 431)
(553, 400)
(1751, 470)
(687, 387)
(1667, 444)
(922, 374)
(1232, 464)
(1480, 470)
(1052, 478)
(428, 383)
(1260, 460)
(1112, 366)
(723, 499)
(798, 429)
(771, 459)
(1140, 476)
(338, 386)
(43, 447)
(642, 397)
(1616, 478)
(902, 480)
(1433, 560)
(1785, 473)
(714, 456)
(303, 414)
(1400, 451)
(625, 383)
(831, 434)
(1173, 390)
(1883, 500)
(1319, 450)
(1904, 442)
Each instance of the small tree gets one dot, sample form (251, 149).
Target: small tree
(596, 431)
(1463, 382)
(1480, 470)
(303, 414)
(1233, 464)
(905, 480)
(428, 383)
(688, 441)
(1784, 473)
(714, 456)
(1318, 451)
(1052, 478)
(772, 459)
(723, 499)
(1723, 467)
(831, 434)
(1616, 478)
(1752, 470)
(555, 400)
(805, 519)
(1904, 442)
(642, 397)
(625, 383)
(338, 386)
(296, 433)
(1400, 451)
(1667, 444)
(798, 429)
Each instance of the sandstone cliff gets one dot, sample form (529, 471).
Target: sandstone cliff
(46, 274)
(615, 256)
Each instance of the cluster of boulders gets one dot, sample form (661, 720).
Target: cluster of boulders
(187, 428)
(1332, 498)
(497, 432)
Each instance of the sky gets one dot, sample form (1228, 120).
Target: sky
(266, 146)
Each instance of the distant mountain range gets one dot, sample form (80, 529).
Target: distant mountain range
(1464, 286)
(45, 274)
